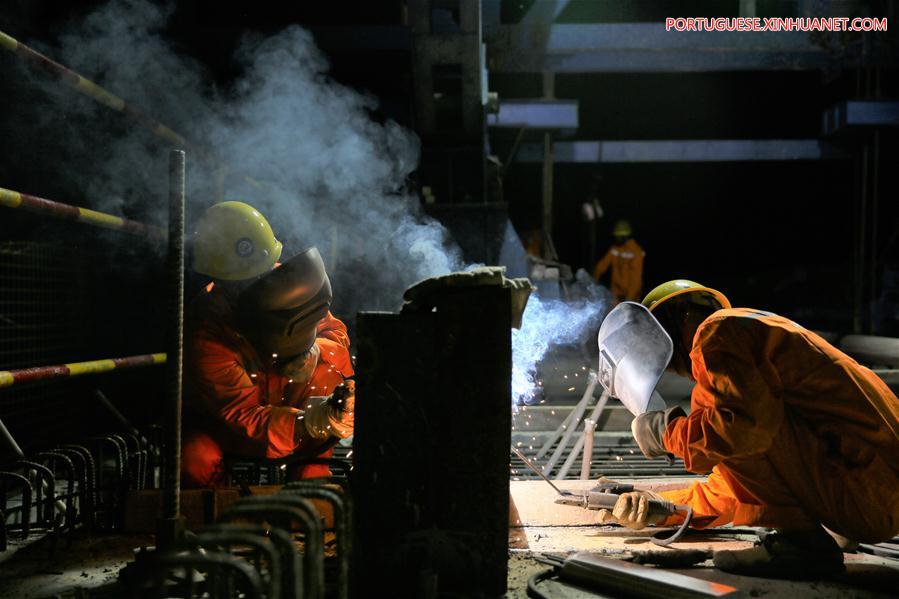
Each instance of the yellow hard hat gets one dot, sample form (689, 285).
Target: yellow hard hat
(234, 242)
(670, 289)
(622, 229)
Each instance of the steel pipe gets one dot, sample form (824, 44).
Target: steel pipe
(581, 441)
(575, 420)
(587, 459)
(9, 378)
(560, 430)
(42, 206)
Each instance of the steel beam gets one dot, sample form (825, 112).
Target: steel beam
(535, 114)
(698, 150)
(860, 113)
(648, 47)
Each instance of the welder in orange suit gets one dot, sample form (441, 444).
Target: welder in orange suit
(794, 433)
(625, 258)
(263, 354)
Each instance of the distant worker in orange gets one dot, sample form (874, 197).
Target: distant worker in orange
(534, 243)
(794, 434)
(625, 258)
(265, 361)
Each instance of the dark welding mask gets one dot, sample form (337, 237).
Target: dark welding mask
(280, 312)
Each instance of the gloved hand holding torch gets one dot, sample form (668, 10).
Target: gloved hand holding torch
(332, 416)
(635, 510)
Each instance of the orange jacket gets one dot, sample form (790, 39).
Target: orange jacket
(626, 262)
(238, 398)
(791, 428)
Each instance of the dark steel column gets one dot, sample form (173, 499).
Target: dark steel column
(431, 448)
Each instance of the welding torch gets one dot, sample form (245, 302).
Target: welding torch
(606, 494)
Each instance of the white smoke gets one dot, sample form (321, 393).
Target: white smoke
(332, 176)
(547, 323)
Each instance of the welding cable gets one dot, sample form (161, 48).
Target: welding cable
(536, 579)
(663, 540)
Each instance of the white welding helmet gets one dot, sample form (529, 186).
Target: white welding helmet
(634, 350)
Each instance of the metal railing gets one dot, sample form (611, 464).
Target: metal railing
(84, 481)
(30, 203)
(9, 378)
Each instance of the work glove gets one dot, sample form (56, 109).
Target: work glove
(632, 510)
(424, 293)
(649, 430)
(299, 369)
(332, 416)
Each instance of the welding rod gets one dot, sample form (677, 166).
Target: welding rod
(8, 378)
(531, 465)
(30, 203)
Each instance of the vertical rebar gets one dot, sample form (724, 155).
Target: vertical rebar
(171, 525)
(587, 459)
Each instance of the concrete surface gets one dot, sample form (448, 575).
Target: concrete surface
(539, 526)
(28, 571)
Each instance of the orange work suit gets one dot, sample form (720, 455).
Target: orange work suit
(626, 261)
(794, 431)
(236, 403)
